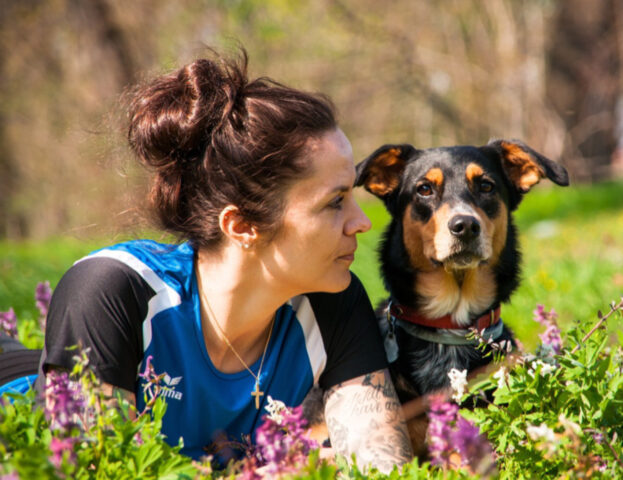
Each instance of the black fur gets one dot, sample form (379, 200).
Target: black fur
(393, 173)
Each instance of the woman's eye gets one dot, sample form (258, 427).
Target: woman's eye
(486, 186)
(424, 190)
(337, 203)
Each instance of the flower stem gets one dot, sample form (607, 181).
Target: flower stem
(602, 320)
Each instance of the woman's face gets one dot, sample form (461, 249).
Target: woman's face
(315, 245)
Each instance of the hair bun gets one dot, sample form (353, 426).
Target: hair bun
(224, 83)
(215, 139)
(172, 118)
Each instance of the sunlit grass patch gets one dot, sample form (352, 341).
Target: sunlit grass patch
(24, 264)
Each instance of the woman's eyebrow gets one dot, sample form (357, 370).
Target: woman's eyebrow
(339, 189)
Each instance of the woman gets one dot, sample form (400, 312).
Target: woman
(257, 179)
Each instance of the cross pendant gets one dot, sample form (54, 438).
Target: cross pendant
(257, 394)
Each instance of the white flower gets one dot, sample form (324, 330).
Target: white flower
(546, 368)
(275, 409)
(542, 432)
(458, 382)
(569, 424)
(501, 376)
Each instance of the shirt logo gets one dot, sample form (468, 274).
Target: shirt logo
(168, 390)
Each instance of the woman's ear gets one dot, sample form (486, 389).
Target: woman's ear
(236, 228)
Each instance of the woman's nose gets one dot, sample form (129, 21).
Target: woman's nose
(359, 223)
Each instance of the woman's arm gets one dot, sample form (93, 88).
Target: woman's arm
(99, 304)
(364, 417)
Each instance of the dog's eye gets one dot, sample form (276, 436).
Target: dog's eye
(486, 186)
(424, 190)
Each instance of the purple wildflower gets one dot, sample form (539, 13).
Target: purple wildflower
(600, 465)
(138, 438)
(281, 445)
(551, 337)
(473, 447)
(598, 437)
(43, 295)
(149, 371)
(64, 401)
(543, 317)
(8, 323)
(151, 385)
(442, 417)
(10, 476)
(450, 434)
(58, 446)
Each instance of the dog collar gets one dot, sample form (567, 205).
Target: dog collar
(411, 315)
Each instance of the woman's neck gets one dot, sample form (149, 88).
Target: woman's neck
(237, 306)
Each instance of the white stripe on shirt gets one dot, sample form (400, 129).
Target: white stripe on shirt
(313, 339)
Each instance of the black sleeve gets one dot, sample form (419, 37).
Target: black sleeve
(350, 333)
(100, 303)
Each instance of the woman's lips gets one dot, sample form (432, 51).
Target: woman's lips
(348, 257)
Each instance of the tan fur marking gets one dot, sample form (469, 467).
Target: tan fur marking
(435, 176)
(445, 296)
(477, 292)
(441, 291)
(473, 171)
(500, 231)
(384, 173)
(523, 171)
(418, 239)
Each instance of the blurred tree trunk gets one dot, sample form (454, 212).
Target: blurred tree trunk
(583, 82)
(9, 224)
(61, 63)
(98, 17)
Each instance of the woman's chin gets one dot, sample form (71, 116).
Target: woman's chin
(338, 283)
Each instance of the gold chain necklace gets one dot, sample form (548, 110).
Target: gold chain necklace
(256, 391)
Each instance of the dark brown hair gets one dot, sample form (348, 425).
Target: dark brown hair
(213, 138)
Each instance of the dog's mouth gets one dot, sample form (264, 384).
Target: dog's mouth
(462, 260)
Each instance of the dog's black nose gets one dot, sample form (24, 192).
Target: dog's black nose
(464, 227)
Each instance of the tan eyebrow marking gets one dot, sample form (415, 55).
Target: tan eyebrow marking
(435, 175)
(473, 171)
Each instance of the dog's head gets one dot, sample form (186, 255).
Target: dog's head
(454, 202)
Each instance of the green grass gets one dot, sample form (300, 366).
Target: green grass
(24, 264)
(571, 239)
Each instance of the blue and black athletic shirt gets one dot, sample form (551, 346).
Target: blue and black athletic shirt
(140, 299)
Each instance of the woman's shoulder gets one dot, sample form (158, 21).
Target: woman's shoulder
(147, 250)
(161, 265)
(326, 308)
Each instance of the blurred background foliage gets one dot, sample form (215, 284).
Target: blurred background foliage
(429, 73)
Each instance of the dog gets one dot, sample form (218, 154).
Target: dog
(449, 256)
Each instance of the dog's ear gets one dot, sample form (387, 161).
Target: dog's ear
(525, 167)
(380, 172)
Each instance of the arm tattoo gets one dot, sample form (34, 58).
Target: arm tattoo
(364, 417)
